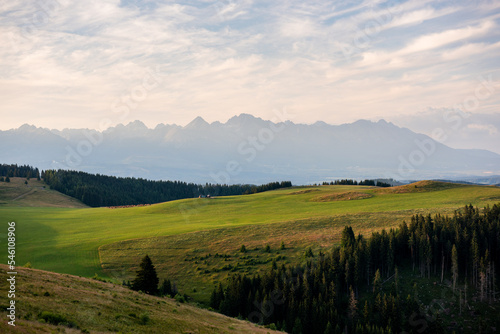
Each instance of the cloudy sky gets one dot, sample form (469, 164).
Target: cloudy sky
(95, 63)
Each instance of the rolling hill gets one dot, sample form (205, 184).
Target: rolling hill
(34, 194)
(194, 242)
(67, 240)
(52, 303)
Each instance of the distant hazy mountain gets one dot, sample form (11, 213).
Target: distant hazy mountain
(246, 150)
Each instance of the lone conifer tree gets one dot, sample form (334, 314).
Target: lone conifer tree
(146, 279)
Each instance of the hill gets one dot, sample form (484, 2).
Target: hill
(101, 190)
(196, 242)
(71, 304)
(420, 187)
(247, 149)
(85, 241)
(34, 194)
(299, 217)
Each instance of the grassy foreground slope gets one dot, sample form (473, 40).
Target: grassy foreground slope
(76, 305)
(67, 240)
(34, 194)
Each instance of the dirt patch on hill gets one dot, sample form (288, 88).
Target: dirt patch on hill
(301, 192)
(419, 187)
(347, 196)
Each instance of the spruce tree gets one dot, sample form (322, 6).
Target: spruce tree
(146, 279)
(329, 328)
(166, 288)
(353, 304)
(297, 326)
(454, 266)
(377, 282)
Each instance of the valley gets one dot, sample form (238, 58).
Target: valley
(196, 243)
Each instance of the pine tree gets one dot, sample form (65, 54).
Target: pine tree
(353, 304)
(454, 265)
(297, 326)
(146, 279)
(411, 244)
(475, 257)
(377, 282)
(217, 297)
(347, 239)
(366, 313)
(166, 288)
(329, 328)
(396, 279)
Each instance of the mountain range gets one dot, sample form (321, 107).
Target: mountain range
(247, 149)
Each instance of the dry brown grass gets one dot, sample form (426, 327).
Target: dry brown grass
(419, 187)
(104, 308)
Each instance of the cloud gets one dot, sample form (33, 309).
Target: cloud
(469, 50)
(426, 43)
(335, 62)
(446, 37)
(490, 129)
(409, 17)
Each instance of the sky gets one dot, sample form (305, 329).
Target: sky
(93, 64)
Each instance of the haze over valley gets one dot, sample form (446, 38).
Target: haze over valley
(247, 149)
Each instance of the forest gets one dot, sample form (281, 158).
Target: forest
(357, 287)
(351, 182)
(26, 171)
(97, 190)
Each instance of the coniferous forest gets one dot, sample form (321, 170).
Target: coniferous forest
(101, 190)
(19, 171)
(357, 287)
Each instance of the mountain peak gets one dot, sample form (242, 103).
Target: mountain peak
(197, 122)
(320, 123)
(363, 122)
(242, 119)
(27, 127)
(383, 122)
(136, 125)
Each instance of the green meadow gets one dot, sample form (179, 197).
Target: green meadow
(69, 240)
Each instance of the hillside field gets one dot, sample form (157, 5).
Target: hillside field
(34, 194)
(68, 240)
(59, 303)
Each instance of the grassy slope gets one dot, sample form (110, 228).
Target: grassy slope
(199, 260)
(103, 308)
(34, 194)
(67, 240)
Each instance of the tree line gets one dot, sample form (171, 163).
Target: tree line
(14, 170)
(98, 190)
(351, 182)
(342, 291)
